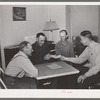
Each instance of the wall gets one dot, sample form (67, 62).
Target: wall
(99, 24)
(0, 24)
(0, 33)
(84, 18)
(14, 31)
(68, 20)
(72, 18)
(57, 13)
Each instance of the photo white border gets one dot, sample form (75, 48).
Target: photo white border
(46, 93)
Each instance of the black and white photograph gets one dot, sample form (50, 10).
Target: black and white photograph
(50, 47)
(19, 14)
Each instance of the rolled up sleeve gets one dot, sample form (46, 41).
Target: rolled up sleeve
(82, 58)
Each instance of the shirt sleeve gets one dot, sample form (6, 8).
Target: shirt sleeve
(71, 51)
(57, 50)
(82, 58)
(28, 67)
(96, 68)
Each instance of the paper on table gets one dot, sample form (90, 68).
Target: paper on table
(54, 66)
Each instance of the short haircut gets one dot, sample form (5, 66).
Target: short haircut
(64, 31)
(39, 34)
(23, 44)
(87, 34)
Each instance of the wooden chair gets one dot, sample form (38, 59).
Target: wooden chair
(78, 46)
(95, 86)
(2, 84)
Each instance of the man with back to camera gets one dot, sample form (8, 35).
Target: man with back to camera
(64, 47)
(41, 49)
(20, 71)
(92, 54)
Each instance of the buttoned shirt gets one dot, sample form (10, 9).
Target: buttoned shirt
(92, 54)
(20, 65)
(64, 50)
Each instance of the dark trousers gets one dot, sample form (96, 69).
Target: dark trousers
(82, 70)
(89, 81)
(70, 82)
(67, 82)
(19, 83)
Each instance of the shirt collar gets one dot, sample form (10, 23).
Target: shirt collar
(92, 44)
(39, 45)
(22, 54)
(65, 42)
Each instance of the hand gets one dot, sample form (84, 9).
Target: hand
(47, 57)
(56, 56)
(81, 78)
(63, 58)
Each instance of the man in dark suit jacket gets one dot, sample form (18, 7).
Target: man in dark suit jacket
(41, 49)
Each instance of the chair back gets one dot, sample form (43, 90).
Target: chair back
(30, 39)
(2, 84)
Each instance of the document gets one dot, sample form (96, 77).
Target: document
(54, 66)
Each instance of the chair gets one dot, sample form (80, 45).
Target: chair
(78, 46)
(30, 39)
(51, 47)
(95, 86)
(2, 84)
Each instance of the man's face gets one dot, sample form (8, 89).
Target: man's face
(28, 50)
(63, 36)
(41, 40)
(84, 40)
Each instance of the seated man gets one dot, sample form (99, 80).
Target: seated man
(63, 47)
(20, 71)
(41, 49)
(92, 54)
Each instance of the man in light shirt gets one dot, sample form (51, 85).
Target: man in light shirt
(20, 71)
(92, 54)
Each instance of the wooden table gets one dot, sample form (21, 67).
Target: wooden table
(46, 73)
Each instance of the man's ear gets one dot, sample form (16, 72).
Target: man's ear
(36, 39)
(67, 37)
